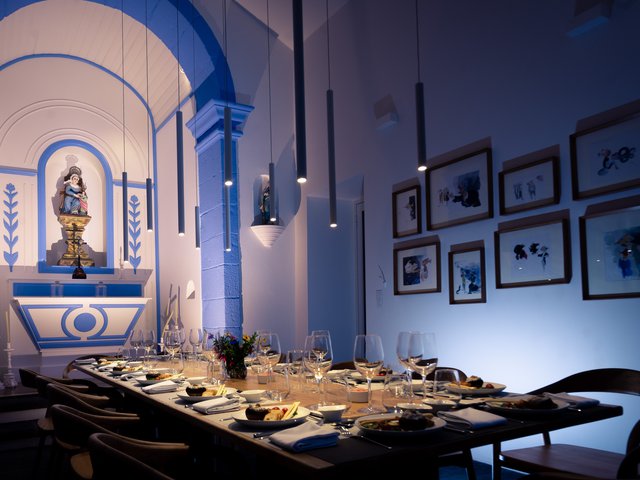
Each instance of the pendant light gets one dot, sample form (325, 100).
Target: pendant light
(420, 123)
(195, 129)
(125, 193)
(179, 140)
(331, 144)
(149, 182)
(228, 145)
(273, 216)
(298, 81)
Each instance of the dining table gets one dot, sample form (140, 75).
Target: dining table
(356, 452)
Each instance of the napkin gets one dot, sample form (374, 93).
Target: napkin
(574, 400)
(217, 405)
(84, 361)
(161, 387)
(306, 436)
(472, 418)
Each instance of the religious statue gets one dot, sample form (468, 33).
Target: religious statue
(74, 195)
(265, 205)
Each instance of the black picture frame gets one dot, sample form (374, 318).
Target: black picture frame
(532, 185)
(467, 276)
(416, 267)
(407, 211)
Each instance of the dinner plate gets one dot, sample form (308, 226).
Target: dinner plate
(505, 406)
(361, 378)
(438, 423)
(484, 390)
(199, 398)
(301, 416)
(144, 382)
(117, 373)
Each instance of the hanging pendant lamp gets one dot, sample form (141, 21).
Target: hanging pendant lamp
(273, 216)
(228, 174)
(298, 78)
(149, 182)
(125, 193)
(331, 144)
(179, 139)
(420, 122)
(195, 130)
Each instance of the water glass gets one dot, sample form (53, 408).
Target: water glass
(443, 379)
(396, 391)
(295, 368)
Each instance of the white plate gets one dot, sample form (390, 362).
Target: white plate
(144, 382)
(462, 390)
(117, 373)
(438, 423)
(301, 416)
(502, 406)
(361, 378)
(199, 398)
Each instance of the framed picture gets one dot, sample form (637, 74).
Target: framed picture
(606, 158)
(467, 276)
(417, 268)
(460, 191)
(407, 212)
(529, 186)
(610, 253)
(536, 254)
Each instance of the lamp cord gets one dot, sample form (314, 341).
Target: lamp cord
(193, 89)
(178, 46)
(146, 49)
(269, 84)
(124, 148)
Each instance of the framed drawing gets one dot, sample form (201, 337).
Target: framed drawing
(606, 158)
(536, 254)
(416, 267)
(460, 190)
(467, 276)
(610, 253)
(407, 212)
(529, 186)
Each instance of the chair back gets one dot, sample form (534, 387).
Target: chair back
(95, 404)
(461, 374)
(113, 454)
(613, 380)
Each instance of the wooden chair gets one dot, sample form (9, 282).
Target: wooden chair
(112, 454)
(572, 459)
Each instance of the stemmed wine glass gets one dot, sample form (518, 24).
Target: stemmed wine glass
(317, 358)
(368, 358)
(269, 351)
(135, 340)
(148, 342)
(402, 352)
(195, 339)
(423, 355)
(173, 343)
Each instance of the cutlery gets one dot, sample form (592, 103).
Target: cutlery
(457, 429)
(261, 435)
(362, 437)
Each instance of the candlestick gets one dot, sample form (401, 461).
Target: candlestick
(6, 316)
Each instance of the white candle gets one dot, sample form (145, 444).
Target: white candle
(6, 316)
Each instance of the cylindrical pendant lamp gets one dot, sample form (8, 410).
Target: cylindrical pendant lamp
(180, 172)
(298, 77)
(333, 220)
(420, 125)
(228, 173)
(272, 194)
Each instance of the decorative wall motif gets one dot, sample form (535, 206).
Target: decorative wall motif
(10, 224)
(134, 232)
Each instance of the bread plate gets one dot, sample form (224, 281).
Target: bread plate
(508, 406)
(364, 424)
(230, 391)
(300, 416)
(488, 388)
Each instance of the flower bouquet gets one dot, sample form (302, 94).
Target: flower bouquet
(231, 351)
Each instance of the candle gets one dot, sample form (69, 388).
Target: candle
(6, 316)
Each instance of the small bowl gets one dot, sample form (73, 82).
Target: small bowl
(196, 380)
(440, 404)
(358, 395)
(252, 396)
(415, 407)
(332, 413)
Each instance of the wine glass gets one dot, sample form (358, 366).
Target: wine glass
(423, 355)
(148, 342)
(402, 352)
(444, 378)
(269, 352)
(368, 358)
(195, 339)
(173, 343)
(135, 340)
(317, 358)
(396, 391)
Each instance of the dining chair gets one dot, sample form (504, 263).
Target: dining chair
(556, 458)
(110, 455)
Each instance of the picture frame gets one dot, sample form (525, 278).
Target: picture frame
(417, 267)
(532, 185)
(467, 277)
(606, 158)
(407, 211)
(610, 251)
(533, 254)
(460, 190)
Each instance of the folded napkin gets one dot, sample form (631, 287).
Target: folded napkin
(574, 400)
(306, 436)
(161, 387)
(84, 361)
(217, 405)
(472, 418)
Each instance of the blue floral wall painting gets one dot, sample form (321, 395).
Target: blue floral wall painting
(10, 222)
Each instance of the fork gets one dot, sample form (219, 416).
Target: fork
(347, 433)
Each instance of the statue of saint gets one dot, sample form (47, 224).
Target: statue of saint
(74, 196)
(265, 205)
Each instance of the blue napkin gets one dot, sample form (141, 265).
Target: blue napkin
(305, 436)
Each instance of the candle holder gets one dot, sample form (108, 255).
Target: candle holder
(9, 378)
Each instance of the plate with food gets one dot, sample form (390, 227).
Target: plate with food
(271, 416)
(407, 424)
(124, 369)
(153, 378)
(198, 393)
(474, 385)
(527, 405)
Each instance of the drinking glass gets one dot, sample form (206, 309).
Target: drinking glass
(402, 352)
(195, 339)
(173, 343)
(317, 358)
(209, 336)
(269, 352)
(423, 355)
(135, 340)
(295, 367)
(443, 378)
(396, 390)
(148, 342)
(368, 359)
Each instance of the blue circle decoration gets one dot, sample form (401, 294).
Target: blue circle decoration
(85, 322)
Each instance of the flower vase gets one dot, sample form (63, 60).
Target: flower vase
(237, 370)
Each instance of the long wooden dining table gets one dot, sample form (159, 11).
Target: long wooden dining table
(351, 455)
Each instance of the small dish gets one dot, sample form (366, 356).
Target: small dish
(358, 395)
(440, 404)
(196, 380)
(415, 407)
(332, 413)
(252, 396)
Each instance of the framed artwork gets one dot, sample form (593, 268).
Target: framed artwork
(460, 190)
(529, 186)
(407, 211)
(416, 268)
(606, 158)
(535, 254)
(610, 253)
(467, 276)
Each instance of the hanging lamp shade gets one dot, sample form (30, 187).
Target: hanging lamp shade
(420, 122)
(179, 139)
(331, 142)
(228, 146)
(149, 182)
(298, 76)
(125, 193)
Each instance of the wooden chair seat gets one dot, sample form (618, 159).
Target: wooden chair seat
(81, 465)
(560, 457)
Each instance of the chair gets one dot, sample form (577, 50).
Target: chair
(346, 365)
(110, 455)
(564, 459)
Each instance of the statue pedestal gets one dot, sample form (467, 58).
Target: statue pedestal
(74, 226)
